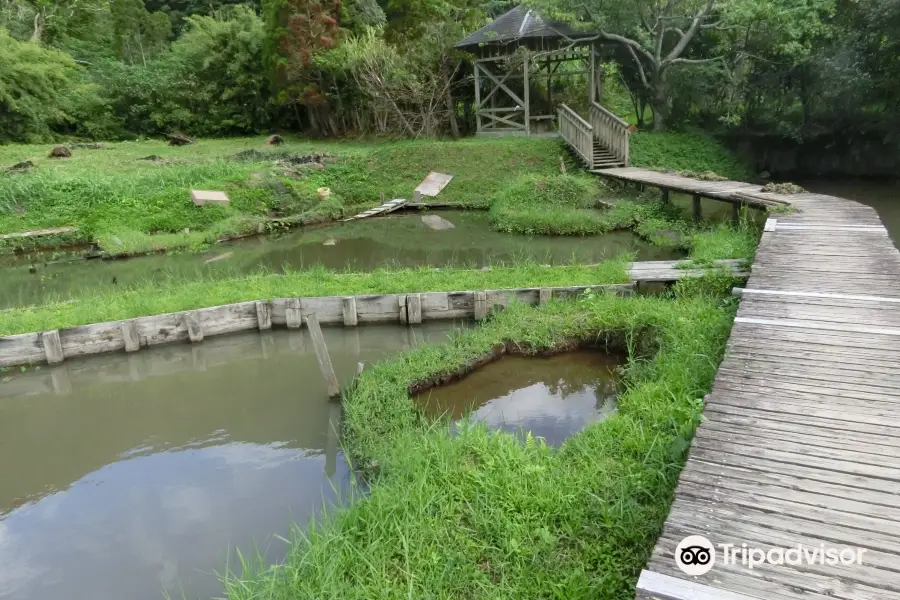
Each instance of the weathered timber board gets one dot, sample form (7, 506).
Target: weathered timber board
(801, 437)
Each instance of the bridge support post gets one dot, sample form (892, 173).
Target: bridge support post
(698, 209)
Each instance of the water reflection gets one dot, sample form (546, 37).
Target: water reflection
(142, 472)
(402, 240)
(550, 397)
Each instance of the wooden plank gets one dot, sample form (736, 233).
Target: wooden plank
(263, 315)
(130, 335)
(292, 313)
(192, 324)
(53, 351)
(349, 311)
(822, 326)
(318, 340)
(673, 588)
(413, 309)
(860, 297)
(771, 224)
(544, 295)
(481, 306)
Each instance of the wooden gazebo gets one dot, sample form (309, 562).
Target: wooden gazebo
(521, 47)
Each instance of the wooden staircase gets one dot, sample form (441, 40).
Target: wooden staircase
(600, 143)
(603, 158)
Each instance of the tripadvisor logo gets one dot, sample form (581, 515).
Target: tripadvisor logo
(695, 555)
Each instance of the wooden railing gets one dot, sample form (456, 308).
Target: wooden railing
(611, 130)
(578, 133)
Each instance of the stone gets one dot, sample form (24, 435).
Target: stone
(21, 167)
(60, 152)
(202, 197)
(437, 223)
(329, 242)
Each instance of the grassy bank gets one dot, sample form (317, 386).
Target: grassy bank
(178, 295)
(128, 204)
(484, 515)
(132, 205)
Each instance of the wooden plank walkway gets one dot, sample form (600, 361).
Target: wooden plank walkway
(735, 192)
(383, 209)
(801, 438)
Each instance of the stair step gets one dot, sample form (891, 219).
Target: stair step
(603, 165)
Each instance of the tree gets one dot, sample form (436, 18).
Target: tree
(138, 34)
(40, 90)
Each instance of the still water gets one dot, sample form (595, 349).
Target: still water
(552, 398)
(403, 240)
(131, 476)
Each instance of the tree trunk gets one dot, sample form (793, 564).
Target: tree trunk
(451, 107)
(660, 102)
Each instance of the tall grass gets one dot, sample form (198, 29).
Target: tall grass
(485, 515)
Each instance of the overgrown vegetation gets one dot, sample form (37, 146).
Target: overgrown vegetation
(483, 514)
(783, 188)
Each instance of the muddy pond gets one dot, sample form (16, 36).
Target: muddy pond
(137, 475)
(402, 240)
(131, 476)
(551, 398)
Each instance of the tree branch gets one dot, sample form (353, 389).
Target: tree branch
(629, 43)
(639, 66)
(695, 61)
(690, 33)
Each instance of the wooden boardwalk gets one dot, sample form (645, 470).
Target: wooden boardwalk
(382, 209)
(801, 438)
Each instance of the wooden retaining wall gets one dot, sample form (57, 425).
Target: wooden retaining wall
(194, 326)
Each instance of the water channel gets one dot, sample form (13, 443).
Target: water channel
(402, 240)
(131, 476)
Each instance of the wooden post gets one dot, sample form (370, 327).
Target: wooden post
(264, 315)
(401, 300)
(192, 324)
(664, 196)
(318, 340)
(544, 296)
(351, 318)
(413, 309)
(292, 314)
(698, 210)
(130, 335)
(480, 306)
(736, 214)
(331, 438)
(527, 99)
(52, 347)
(477, 98)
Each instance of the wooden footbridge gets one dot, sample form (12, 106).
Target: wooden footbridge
(800, 443)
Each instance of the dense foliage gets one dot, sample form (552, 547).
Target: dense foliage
(798, 69)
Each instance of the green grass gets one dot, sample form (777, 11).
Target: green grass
(110, 193)
(688, 152)
(178, 295)
(485, 515)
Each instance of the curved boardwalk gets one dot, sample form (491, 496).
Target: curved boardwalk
(801, 438)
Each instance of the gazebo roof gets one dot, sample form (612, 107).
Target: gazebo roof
(521, 22)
